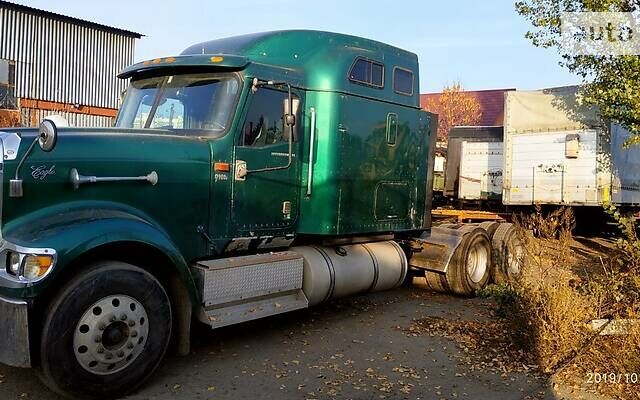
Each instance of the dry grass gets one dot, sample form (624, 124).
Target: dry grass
(549, 321)
(563, 288)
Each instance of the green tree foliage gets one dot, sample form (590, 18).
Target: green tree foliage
(611, 82)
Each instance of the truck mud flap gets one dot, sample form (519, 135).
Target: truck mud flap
(433, 250)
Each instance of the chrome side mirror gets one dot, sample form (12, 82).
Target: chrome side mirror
(47, 135)
(290, 110)
(290, 119)
(46, 138)
(48, 132)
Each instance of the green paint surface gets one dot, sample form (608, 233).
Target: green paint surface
(362, 181)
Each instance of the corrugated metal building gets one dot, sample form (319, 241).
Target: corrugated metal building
(55, 64)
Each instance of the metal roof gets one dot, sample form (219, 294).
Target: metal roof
(275, 45)
(65, 18)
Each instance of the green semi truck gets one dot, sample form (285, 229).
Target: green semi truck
(244, 178)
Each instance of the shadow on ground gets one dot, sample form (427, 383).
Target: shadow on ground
(356, 348)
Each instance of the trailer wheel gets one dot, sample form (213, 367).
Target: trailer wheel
(508, 254)
(469, 268)
(105, 333)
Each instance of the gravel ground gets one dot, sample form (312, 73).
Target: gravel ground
(358, 348)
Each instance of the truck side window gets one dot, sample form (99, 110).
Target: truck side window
(264, 124)
(402, 81)
(367, 72)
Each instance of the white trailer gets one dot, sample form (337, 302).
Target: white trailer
(481, 169)
(453, 167)
(558, 152)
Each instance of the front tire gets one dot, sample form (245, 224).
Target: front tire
(105, 332)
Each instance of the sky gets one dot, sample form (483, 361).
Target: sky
(480, 44)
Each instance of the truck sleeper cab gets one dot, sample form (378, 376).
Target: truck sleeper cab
(246, 177)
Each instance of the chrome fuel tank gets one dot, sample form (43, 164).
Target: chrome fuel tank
(335, 272)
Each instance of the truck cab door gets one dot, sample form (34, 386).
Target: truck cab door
(265, 203)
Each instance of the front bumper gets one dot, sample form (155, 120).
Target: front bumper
(14, 333)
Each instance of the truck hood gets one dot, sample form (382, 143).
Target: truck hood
(178, 202)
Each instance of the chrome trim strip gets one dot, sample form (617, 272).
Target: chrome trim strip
(13, 301)
(10, 145)
(312, 140)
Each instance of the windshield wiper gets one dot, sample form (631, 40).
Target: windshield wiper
(156, 102)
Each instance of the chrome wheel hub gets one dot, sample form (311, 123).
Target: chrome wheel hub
(515, 259)
(477, 262)
(111, 334)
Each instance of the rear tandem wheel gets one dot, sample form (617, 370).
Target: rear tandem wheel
(469, 268)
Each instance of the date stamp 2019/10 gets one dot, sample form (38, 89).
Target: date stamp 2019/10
(613, 378)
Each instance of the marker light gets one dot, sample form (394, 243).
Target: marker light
(221, 167)
(36, 266)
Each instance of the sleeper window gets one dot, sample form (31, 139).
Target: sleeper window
(367, 72)
(403, 81)
(360, 71)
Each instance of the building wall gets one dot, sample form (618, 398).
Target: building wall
(491, 104)
(33, 116)
(73, 65)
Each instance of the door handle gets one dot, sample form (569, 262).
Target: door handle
(312, 139)
(240, 170)
(77, 179)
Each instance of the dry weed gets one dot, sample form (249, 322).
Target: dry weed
(549, 309)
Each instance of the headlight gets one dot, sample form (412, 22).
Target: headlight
(28, 266)
(13, 263)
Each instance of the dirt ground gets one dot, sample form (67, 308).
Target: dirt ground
(402, 344)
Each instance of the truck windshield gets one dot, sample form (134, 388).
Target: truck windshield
(182, 102)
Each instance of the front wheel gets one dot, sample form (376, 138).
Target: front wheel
(105, 333)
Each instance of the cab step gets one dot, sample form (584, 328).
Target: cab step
(239, 289)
